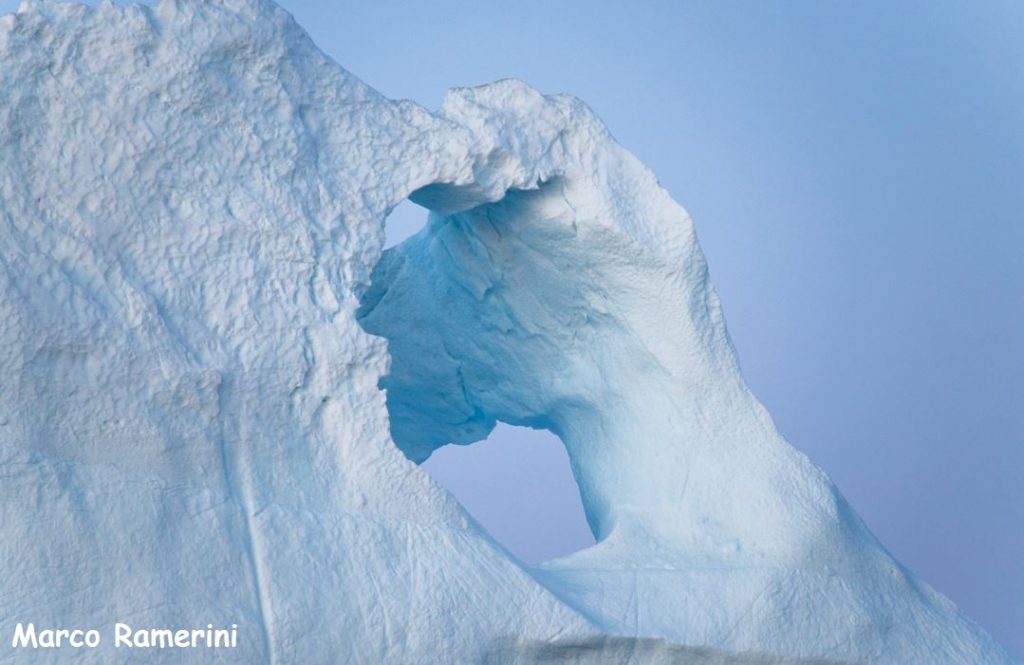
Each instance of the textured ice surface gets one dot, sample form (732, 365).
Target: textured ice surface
(192, 199)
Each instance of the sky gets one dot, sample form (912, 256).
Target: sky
(855, 172)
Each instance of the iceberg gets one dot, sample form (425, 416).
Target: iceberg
(218, 386)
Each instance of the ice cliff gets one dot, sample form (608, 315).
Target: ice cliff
(198, 319)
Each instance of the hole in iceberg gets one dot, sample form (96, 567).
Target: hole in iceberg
(404, 221)
(518, 484)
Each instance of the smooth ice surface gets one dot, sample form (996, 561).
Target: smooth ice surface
(194, 201)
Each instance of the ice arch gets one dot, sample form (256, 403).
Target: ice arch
(580, 304)
(557, 285)
(515, 311)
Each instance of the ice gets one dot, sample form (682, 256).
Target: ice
(197, 316)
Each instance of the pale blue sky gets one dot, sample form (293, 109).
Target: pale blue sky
(856, 175)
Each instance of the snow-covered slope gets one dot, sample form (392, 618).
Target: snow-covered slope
(192, 199)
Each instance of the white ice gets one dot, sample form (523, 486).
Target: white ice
(197, 316)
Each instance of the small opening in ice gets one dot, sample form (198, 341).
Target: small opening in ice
(518, 484)
(404, 221)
